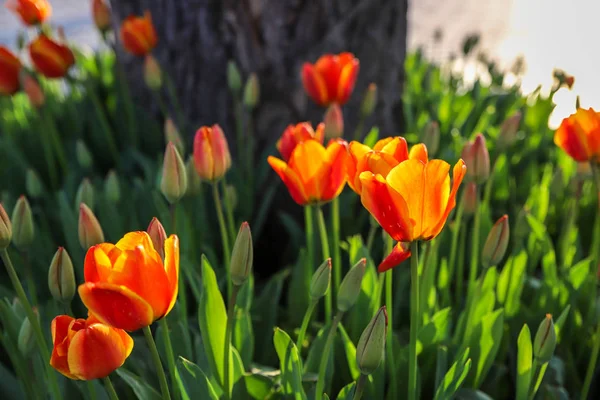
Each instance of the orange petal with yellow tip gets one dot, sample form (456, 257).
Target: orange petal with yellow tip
(396, 147)
(408, 180)
(332, 175)
(458, 173)
(314, 84)
(59, 329)
(357, 150)
(306, 162)
(97, 264)
(377, 162)
(400, 253)
(346, 80)
(290, 179)
(435, 196)
(172, 268)
(419, 152)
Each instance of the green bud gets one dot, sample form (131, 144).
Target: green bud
(234, 79)
(5, 229)
(334, 122)
(369, 101)
(84, 157)
(33, 184)
(251, 92)
(242, 256)
(173, 184)
(26, 340)
(496, 243)
(22, 224)
(112, 190)
(152, 73)
(172, 135)
(157, 233)
(90, 231)
(350, 286)
(61, 276)
(194, 180)
(85, 194)
(371, 345)
(545, 340)
(231, 196)
(431, 137)
(319, 284)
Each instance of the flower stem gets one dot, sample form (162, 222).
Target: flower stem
(162, 378)
(129, 107)
(170, 356)
(335, 237)
(224, 236)
(326, 255)
(310, 248)
(175, 99)
(474, 251)
(29, 278)
(181, 295)
(91, 390)
(108, 132)
(359, 128)
(53, 135)
(389, 304)
(591, 366)
(110, 389)
(325, 356)
(305, 322)
(229, 213)
(360, 387)
(414, 320)
(228, 330)
(371, 237)
(458, 221)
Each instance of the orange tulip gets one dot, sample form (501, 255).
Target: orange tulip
(138, 34)
(32, 12)
(579, 135)
(385, 155)
(101, 14)
(313, 174)
(50, 58)
(331, 79)
(87, 349)
(9, 72)
(412, 202)
(211, 153)
(298, 133)
(127, 285)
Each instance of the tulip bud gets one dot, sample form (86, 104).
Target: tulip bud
(431, 137)
(471, 199)
(545, 340)
(496, 243)
(112, 190)
(174, 179)
(101, 14)
(157, 233)
(508, 130)
(231, 196)
(369, 101)
(5, 229)
(17, 308)
(211, 153)
(152, 73)
(22, 224)
(334, 122)
(234, 79)
(84, 157)
(477, 159)
(85, 194)
(33, 185)
(26, 340)
(242, 256)
(61, 276)
(251, 92)
(371, 345)
(350, 286)
(319, 284)
(172, 135)
(194, 182)
(90, 231)
(32, 88)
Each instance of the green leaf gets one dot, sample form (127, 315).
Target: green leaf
(196, 384)
(142, 390)
(471, 394)
(485, 343)
(559, 323)
(350, 352)
(259, 385)
(372, 137)
(511, 282)
(243, 335)
(290, 364)
(454, 377)
(435, 331)
(347, 392)
(579, 273)
(524, 363)
(298, 293)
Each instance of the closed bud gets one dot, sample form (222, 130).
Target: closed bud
(157, 233)
(26, 340)
(234, 79)
(194, 181)
(85, 194)
(319, 284)
(33, 184)
(431, 137)
(477, 159)
(17, 308)
(112, 189)
(84, 157)
(242, 256)
(545, 340)
(471, 199)
(496, 243)
(5, 229)
(33, 90)
(371, 345)
(509, 129)
(211, 153)
(172, 135)
(369, 101)
(350, 286)
(23, 230)
(334, 122)
(231, 197)
(61, 276)
(251, 92)
(90, 231)
(152, 73)
(101, 14)
(174, 178)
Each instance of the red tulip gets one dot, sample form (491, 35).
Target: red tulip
(50, 58)
(331, 79)
(9, 72)
(138, 34)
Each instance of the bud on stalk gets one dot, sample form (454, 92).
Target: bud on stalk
(61, 276)
(172, 135)
(173, 184)
(545, 340)
(319, 284)
(83, 155)
(157, 233)
(152, 73)
(5, 229)
(350, 286)
(477, 159)
(371, 345)
(242, 256)
(23, 230)
(496, 243)
(251, 92)
(26, 340)
(90, 231)
(33, 185)
(85, 194)
(112, 190)
(334, 122)
(471, 199)
(431, 137)
(234, 79)
(369, 101)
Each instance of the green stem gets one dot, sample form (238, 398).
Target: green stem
(326, 255)
(229, 213)
(110, 389)
(371, 237)
(177, 105)
(224, 236)
(181, 294)
(91, 390)
(39, 336)
(591, 366)
(104, 124)
(456, 229)
(228, 330)
(325, 355)
(359, 128)
(360, 387)
(310, 248)
(54, 137)
(536, 374)
(305, 322)
(335, 237)
(162, 378)
(170, 356)
(48, 155)
(129, 108)
(595, 252)
(487, 191)
(474, 250)
(460, 270)
(29, 278)
(414, 320)
(389, 304)
(161, 104)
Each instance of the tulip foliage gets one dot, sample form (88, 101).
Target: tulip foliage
(143, 256)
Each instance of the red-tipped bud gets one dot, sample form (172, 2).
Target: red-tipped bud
(157, 233)
(90, 231)
(101, 14)
(242, 256)
(371, 345)
(477, 159)
(496, 243)
(173, 184)
(211, 153)
(334, 122)
(509, 129)
(471, 199)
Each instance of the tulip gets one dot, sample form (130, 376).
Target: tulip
(579, 135)
(10, 66)
(87, 349)
(158, 235)
(545, 340)
(32, 12)
(211, 153)
(50, 58)
(112, 190)
(127, 285)
(102, 15)
(33, 184)
(174, 179)
(334, 122)
(242, 256)
(23, 231)
(369, 101)
(371, 345)
(331, 79)
(471, 199)
(496, 243)
(85, 194)
(295, 134)
(90, 231)
(138, 35)
(477, 159)
(152, 73)
(61, 276)
(251, 92)
(508, 130)
(33, 90)
(172, 135)
(319, 284)
(234, 79)
(313, 174)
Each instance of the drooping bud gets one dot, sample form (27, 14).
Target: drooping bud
(231, 197)
(319, 284)
(85, 194)
(234, 79)
(496, 243)
(32, 88)
(369, 101)
(251, 92)
(112, 189)
(371, 345)
(61, 276)
(242, 256)
(545, 340)
(431, 137)
(477, 159)
(101, 14)
(172, 135)
(194, 181)
(23, 230)
(334, 122)
(84, 157)
(174, 178)
(90, 231)
(350, 286)
(157, 233)
(152, 73)
(509, 129)
(5, 229)
(26, 340)
(33, 184)
(471, 199)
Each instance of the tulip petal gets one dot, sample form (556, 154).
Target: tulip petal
(172, 268)
(59, 329)
(346, 81)
(290, 179)
(97, 264)
(396, 147)
(458, 173)
(419, 152)
(307, 161)
(314, 84)
(332, 175)
(436, 195)
(400, 253)
(357, 150)
(408, 180)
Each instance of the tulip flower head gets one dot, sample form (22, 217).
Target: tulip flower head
(579, 135)
(298, 133)
(128, 285)
(32, 12)
(10, 66)
(211, 153)
(102, 15)
(5, 229)
(138, 34)
(87, 349)
(331, 79)
(90, 231)
(50, 58)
